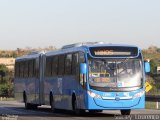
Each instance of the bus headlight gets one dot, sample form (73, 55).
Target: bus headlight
(94, 95)
(139, 94)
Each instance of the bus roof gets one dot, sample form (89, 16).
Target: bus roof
(72, 48)
(31, 55)
(83, 47)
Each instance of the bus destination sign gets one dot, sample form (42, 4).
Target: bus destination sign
(113, 51)
(103, 52)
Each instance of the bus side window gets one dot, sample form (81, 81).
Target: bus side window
(81, 59)
(26, 69)
(48, 67)
(54, 65)
(61, 65)
(31, 64)
(37, 67)
(30, 68)
(17, 69)
(21, 69)
(34, 68)
(68, 65)
(75, 64)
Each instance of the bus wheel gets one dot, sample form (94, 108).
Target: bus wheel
(125, 112)
(76, 110)
(52, 105)
(34, 106)
(27, 105)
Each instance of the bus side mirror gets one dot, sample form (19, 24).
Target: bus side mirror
(147, 67)
(83, 68)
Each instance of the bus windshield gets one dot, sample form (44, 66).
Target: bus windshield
(115, 72)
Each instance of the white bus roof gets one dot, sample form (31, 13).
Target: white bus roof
(83, 47)
(31, 55)
(72, 48)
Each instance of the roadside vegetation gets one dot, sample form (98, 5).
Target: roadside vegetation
(153, 54)
(6, 82)
(20, 52)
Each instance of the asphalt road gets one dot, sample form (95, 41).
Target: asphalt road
(12, 110)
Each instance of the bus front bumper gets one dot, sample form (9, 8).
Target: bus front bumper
(102, 104)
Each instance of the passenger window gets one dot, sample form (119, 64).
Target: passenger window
(75, 63)
(21, 69)
(68, 64)
(48, 66)
(37, 67)
(26, 69)
(54, 65)
(31, 65)
(34, 68)
(61, 65)
(81, 57)
(17, 69)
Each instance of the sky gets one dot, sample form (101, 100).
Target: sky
(42, 23)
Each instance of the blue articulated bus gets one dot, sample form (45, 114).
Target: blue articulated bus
(83, 76)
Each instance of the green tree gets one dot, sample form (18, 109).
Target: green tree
(153, 66)
(3, 71)
(3, 90)
(158, 50)
(6, 81)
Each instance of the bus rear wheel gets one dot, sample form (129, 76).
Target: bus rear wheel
(52, 103)
(53, 106)
(29, 105)
(125, 112)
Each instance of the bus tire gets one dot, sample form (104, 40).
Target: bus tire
(33, 106)
(125, 112)
(27, 105)
(52, 103)
(75, 108)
